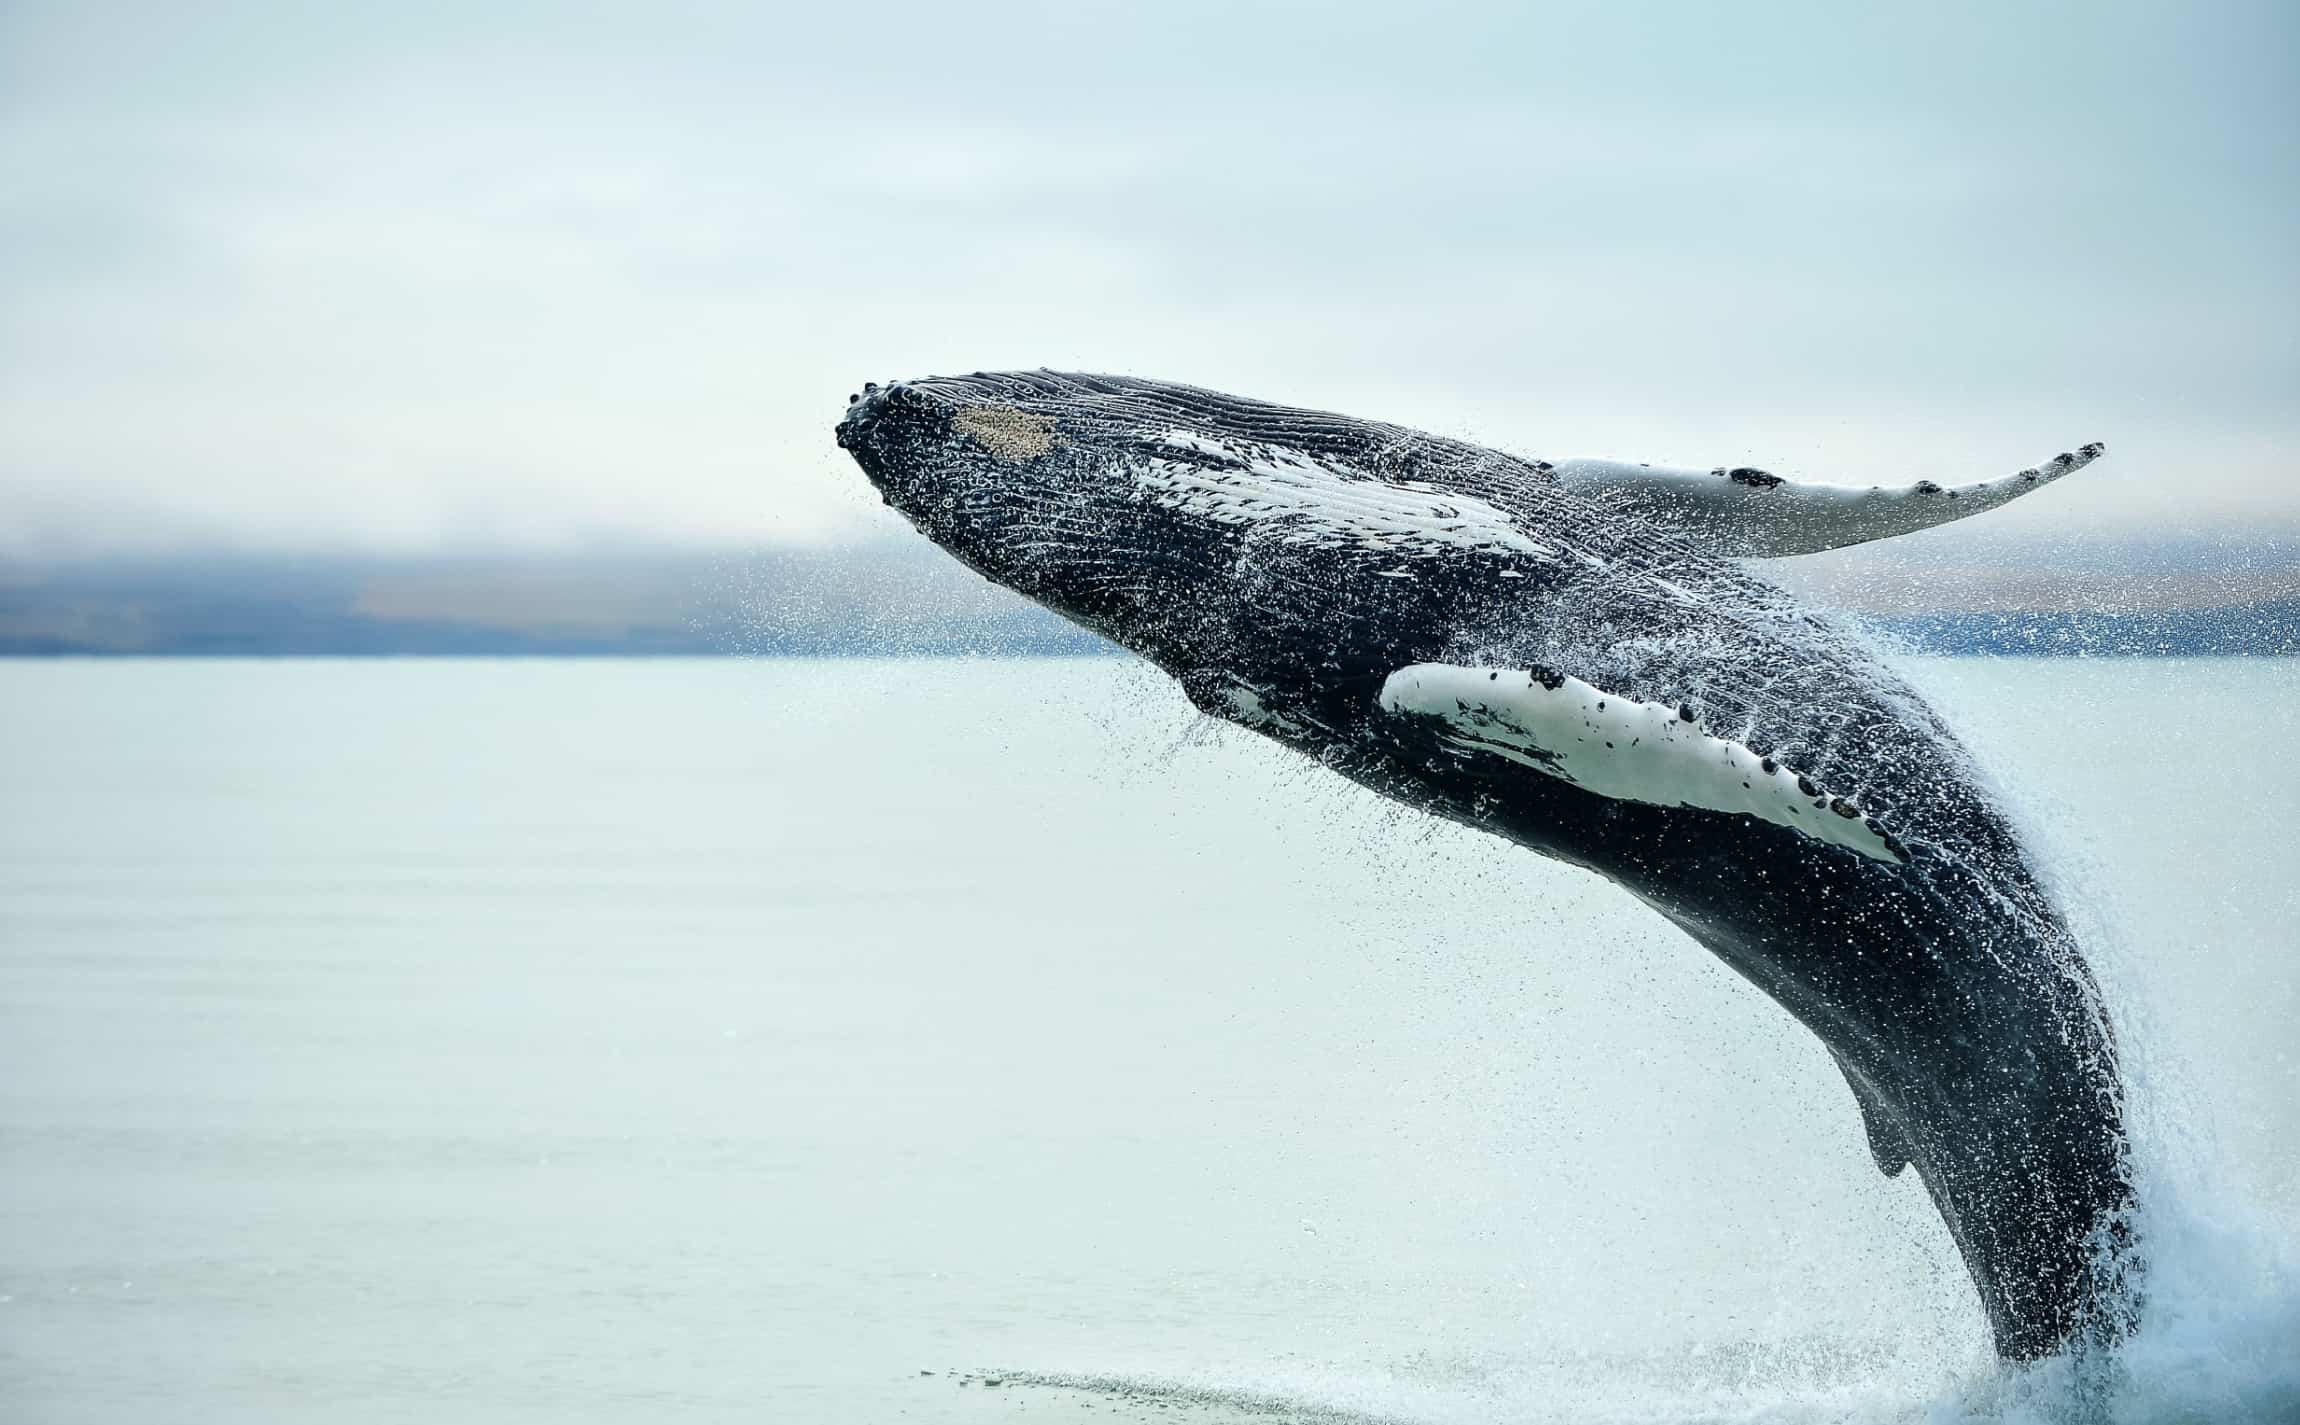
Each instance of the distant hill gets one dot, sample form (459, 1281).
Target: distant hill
(2164, 598)
(2268, 628)
(878, 599)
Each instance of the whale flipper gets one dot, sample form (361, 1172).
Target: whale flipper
(1887, 1143)
(1742, 511)
(1624, 749)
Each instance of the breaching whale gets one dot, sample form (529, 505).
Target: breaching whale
(1572, 656)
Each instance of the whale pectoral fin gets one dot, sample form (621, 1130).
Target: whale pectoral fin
(1742, 511)
(1887, 1143)
(1619, 747)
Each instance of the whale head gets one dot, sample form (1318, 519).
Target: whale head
(994, 482)
(1033, 494)
(1199, 531)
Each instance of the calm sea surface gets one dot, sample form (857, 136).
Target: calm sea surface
(821, 1041)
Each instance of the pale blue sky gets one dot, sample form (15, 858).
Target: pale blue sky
(396, 276)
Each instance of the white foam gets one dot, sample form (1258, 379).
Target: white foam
(1309, 504)
(1253, 712)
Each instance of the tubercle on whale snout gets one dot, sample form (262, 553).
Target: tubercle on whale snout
(867, 408)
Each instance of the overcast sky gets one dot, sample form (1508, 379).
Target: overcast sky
(397, 276)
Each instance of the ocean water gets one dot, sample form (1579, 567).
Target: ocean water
(827, 1041)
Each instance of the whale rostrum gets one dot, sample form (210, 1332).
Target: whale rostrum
(1574, 656)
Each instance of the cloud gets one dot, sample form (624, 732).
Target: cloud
(278, 275)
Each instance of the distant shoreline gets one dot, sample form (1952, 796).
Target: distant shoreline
(2253, 631)
(901, 599)
(8, 655)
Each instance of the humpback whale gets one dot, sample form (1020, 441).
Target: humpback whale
(1574, 656)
